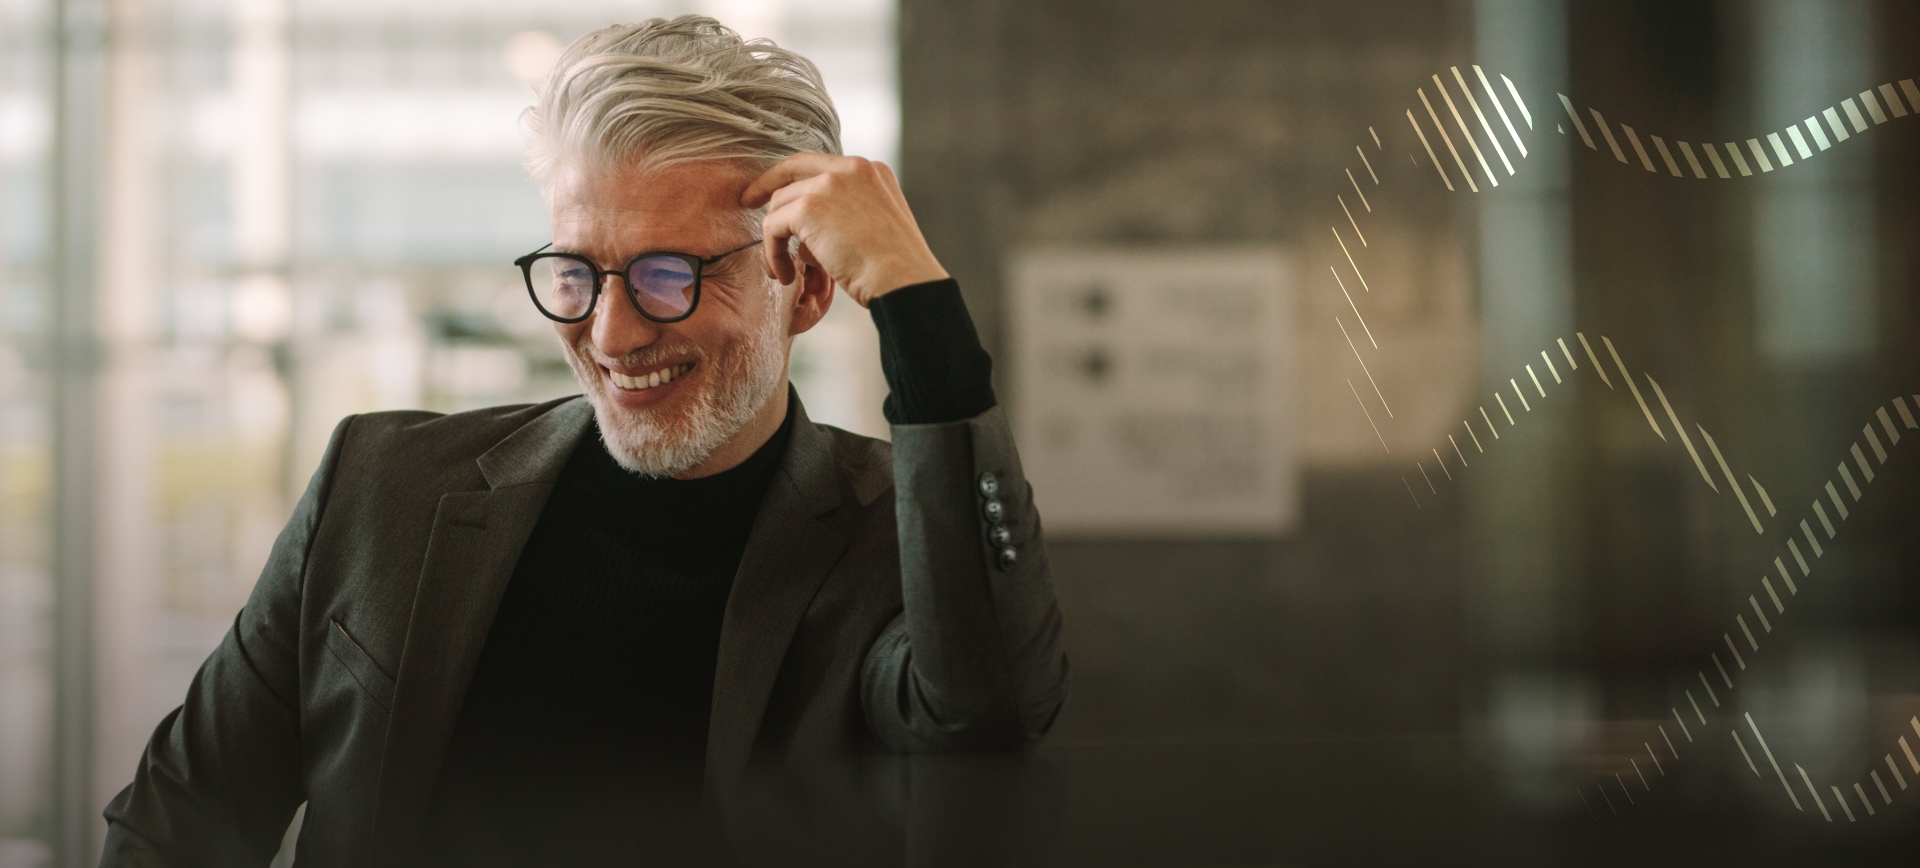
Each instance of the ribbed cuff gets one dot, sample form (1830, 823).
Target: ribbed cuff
(931, 355)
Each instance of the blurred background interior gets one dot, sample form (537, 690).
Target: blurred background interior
(1339, 553)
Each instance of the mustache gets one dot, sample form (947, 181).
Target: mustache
(646, 356)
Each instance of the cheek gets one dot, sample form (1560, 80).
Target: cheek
(736, 313)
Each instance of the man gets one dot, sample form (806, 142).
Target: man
(511, 635)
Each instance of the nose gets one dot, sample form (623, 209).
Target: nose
(617, 328)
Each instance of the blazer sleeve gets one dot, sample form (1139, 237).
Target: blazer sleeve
(975, 660)
(221, 776)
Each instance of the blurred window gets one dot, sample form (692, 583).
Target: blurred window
(309, 210)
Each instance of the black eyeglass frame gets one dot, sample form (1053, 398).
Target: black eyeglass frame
(697, 264)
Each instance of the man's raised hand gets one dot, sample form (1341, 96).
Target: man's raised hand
(851, 220)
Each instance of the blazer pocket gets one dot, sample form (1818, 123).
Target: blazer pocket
(377, 684)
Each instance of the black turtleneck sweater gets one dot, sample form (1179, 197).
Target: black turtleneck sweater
(582, 738)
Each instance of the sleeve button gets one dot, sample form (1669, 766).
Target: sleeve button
(989, 484)
(1000, 535)
(995, 511)
(1008, 557)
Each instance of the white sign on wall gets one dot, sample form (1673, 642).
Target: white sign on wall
(1153, 390)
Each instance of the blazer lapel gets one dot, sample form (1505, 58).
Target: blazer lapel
(787, 557)
(475, 543)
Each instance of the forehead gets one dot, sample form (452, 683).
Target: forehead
(685, 207)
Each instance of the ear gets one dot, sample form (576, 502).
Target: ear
(814, 297)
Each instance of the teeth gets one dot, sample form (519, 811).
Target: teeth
(657, 378)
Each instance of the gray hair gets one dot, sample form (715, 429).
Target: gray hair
(676, 90)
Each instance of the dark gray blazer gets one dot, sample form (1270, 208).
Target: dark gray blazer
(871, 612)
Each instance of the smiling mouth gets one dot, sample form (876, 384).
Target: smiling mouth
(657, 378)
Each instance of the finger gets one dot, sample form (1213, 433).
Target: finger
(897, 196)
(774, 255)
(802, 165)
(796, 190)
(774, 232)
(806, 256)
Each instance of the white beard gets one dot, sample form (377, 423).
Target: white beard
(658, 441)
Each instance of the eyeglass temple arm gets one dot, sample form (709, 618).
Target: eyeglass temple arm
(719, 256)
(522, 261)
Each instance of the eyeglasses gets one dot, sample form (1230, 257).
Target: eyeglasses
(663, 286)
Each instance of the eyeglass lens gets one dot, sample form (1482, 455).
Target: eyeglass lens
(663, 286)
(562, 285)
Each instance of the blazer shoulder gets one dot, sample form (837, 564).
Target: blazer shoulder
(411, 440)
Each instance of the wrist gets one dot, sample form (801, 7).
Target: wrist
(936, 369)
(898, 275)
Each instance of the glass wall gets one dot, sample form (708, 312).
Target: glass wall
(1590, 329)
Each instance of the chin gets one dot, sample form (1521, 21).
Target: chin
(678, 432)
(664, 439)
